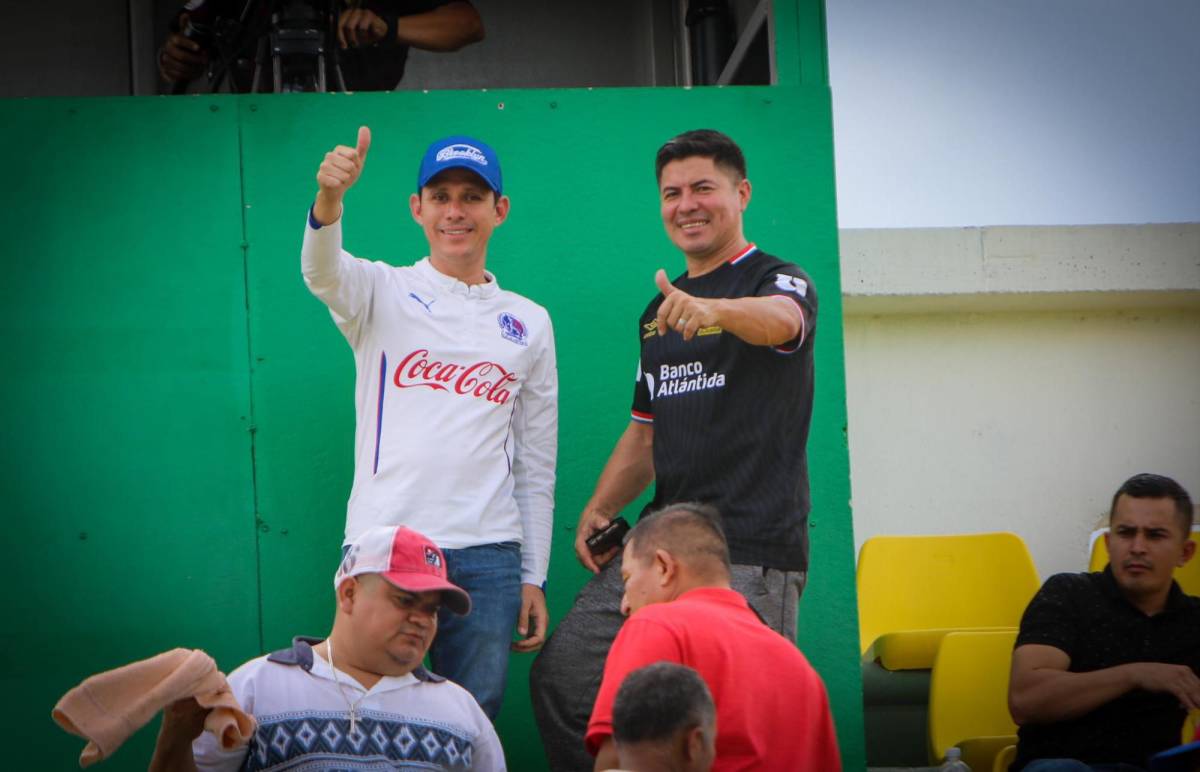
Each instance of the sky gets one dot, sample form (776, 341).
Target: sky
(965, 113)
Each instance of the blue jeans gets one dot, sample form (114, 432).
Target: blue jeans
(472, 651)
(1071, 765)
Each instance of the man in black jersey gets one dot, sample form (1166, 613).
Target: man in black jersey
(721, 411)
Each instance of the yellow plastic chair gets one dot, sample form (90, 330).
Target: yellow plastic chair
(1004, 759)
(968, 697)
(1188, 576)
(913, 590)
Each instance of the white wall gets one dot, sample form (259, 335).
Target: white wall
(1012, 378)
(1018, 421)
(982, 397)
(1020, 112)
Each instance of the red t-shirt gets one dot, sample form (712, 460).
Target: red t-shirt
(772, 708)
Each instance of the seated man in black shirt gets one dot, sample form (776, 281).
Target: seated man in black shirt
(1105, 666)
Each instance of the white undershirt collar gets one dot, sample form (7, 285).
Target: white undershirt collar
(451, 284)
(321, 669)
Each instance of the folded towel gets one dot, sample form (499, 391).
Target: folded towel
(109, 707)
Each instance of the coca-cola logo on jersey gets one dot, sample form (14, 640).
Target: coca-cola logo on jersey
(486, 380)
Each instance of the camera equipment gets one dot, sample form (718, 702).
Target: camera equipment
(710, 35)
(298, 42)
(608, 537)
(266, 45)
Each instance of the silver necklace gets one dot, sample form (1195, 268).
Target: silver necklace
(353, 706)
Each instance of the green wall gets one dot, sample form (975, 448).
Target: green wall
(178, 408)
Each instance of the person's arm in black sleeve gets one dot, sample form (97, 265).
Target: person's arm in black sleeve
(447, 27)
(760, 321)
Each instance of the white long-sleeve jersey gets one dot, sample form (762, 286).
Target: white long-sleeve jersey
(456, 397)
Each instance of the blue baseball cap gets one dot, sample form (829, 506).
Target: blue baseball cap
(459, 152)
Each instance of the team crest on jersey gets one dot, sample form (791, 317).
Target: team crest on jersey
(433, 558)
(789, 283)
(513, 329)
(650, 329)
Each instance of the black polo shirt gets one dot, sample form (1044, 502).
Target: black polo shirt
(1086, 616)
(731, 419)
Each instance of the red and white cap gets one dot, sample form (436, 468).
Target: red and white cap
(406, 559)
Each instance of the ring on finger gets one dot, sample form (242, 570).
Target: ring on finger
(679, 325)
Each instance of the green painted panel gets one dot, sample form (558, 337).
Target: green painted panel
(126, 489)
(150, 419)
(801, 53)
(584, 239)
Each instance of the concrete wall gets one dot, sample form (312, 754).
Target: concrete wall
(79, 49)
(1012, 378)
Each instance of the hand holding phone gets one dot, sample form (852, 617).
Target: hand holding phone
(612, 535)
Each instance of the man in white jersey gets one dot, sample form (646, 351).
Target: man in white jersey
(359, 699)
(456, 400)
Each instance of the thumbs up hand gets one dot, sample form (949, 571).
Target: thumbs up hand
(682, 312)
(664, 284)
(342, 165)
(338, 172)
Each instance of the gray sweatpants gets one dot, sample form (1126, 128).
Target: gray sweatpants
(565, 677)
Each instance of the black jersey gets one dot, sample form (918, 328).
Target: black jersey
(730, 418)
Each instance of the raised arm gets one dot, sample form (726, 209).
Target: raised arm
(332, 274)
(338, 172)
(760, 321)
(1042, 690)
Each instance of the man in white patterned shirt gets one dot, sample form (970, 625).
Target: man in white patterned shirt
(358, 699)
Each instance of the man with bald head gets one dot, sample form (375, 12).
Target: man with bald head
(681, 608)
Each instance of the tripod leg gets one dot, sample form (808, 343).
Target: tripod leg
(259, 56)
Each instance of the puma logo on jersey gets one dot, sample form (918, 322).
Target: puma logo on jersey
(417, 298)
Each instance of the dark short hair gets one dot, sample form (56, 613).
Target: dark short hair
(657, 701)
(705, 143)
(1155, 486)
(688, 530)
